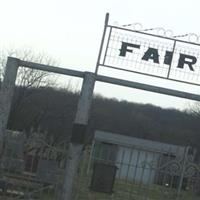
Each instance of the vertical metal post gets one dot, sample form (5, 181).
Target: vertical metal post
(78, 136)
(6, 94)
(102, 41)
(90, 158)
(182, 172)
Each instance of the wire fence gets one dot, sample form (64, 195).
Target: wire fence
(120, 172)
(33, 169)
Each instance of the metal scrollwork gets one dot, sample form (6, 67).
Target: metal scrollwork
(134, 26)
(172, 167)
(190, 37)
(191, 170)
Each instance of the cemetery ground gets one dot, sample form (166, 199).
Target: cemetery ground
(126, 190)
(26, 186)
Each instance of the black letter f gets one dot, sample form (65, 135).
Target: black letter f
(124, 48)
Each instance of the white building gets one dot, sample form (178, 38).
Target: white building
(138, 160)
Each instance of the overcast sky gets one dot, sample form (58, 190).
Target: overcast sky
(70, 31)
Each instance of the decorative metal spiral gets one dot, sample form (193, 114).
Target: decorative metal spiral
(190, 37)
(171, 167)
(192, 170)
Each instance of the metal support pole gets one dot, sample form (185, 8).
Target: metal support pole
(116, 81)
(102, 42)
(6, 94)
(182, 172)
(78, 135)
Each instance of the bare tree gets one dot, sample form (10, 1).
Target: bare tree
(194, 109)
(26, 78)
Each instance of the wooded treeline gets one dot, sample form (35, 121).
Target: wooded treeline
(53, 110)
(37, 103)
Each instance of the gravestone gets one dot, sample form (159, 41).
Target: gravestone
(48, 171)
(13, 160)
(103, 177)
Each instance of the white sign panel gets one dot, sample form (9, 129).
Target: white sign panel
(148, 54)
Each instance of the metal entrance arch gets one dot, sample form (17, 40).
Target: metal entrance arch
(82, 115)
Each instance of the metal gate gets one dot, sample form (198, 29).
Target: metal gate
(142, 174)
(32, 168)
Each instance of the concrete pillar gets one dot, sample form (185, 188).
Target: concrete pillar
(6, 94)
(78, 135)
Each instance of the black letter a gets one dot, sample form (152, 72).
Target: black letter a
(151, 53)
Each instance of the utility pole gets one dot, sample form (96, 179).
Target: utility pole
(78, 135)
